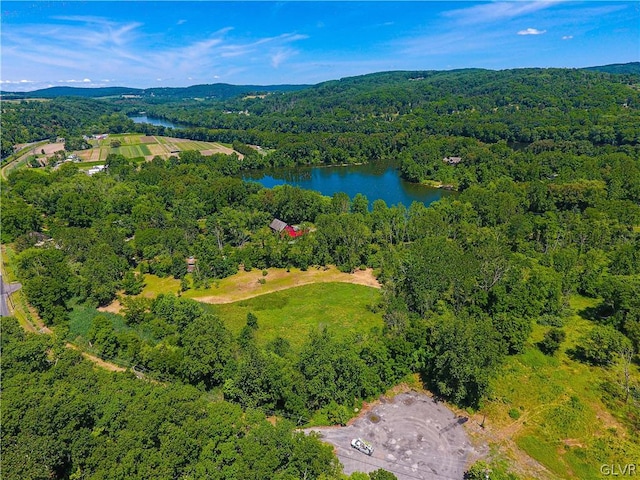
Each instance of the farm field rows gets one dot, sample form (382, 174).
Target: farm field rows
(143, 146)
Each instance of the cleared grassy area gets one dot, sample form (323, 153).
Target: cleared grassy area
(288, 304)
(293, 313)
(244, 285)
(553, 407)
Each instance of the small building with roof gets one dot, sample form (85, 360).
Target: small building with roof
(279, 226)
(452, 160)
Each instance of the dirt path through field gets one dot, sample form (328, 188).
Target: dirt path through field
(96, 360)
(245, 285)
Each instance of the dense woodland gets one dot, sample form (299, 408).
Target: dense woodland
(464, 280)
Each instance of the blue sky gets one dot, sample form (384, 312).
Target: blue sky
(180, 43)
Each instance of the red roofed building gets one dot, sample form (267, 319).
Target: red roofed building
(280, 227)
(293, 232)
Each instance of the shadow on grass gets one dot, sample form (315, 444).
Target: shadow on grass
(595, 314)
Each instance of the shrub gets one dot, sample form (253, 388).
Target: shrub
(552, 341)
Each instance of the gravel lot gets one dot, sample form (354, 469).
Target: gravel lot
(414, 438)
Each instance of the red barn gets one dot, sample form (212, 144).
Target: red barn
(292, 232)
(280, 226)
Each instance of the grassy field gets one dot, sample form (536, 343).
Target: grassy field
(80, 319)
(288, 303)
(290, 313)
(245, 285)
(293, 313)
(554, 410)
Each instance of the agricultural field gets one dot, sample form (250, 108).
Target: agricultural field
(146, 147)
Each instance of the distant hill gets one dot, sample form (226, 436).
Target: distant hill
(220, 91)
(619, 68)
(55, 92)
(225, 91)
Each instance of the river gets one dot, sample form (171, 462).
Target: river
(378, 180)
(155, 121)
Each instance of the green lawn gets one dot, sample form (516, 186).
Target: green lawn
(293, 313)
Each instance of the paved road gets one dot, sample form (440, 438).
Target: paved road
(414, 437)
(5, 291)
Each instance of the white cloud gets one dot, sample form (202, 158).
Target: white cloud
(84, 80)
(531, 31)
(496, 11)
(280, 56)
(18, 82)
(567, 37)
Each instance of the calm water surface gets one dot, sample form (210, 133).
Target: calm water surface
(155, 121)
(380, 180)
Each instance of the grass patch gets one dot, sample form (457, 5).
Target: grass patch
(88, 165)
(244, 285)
(81, 316)
(564, 422)
(292, 314)
(544, 453)
(154, 285)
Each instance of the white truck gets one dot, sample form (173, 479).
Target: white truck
(362, 445)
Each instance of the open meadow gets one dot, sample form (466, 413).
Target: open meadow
(558, 411)
(291, 313)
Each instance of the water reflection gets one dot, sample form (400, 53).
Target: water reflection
(159, 122)
(379, 180)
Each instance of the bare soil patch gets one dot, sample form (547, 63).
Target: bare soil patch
(148, 139)
(113, 307)
(49, 148)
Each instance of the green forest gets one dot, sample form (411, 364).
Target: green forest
(535, 262)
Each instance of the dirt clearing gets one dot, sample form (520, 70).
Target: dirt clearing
(413, 437)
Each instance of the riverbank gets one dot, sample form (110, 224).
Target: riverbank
(437, 184)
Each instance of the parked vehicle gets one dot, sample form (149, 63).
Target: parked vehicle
(362, 445)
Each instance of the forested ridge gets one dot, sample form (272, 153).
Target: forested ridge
(465, 281)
